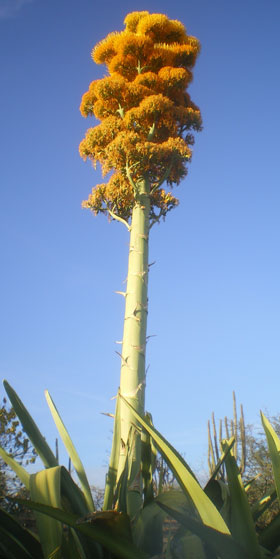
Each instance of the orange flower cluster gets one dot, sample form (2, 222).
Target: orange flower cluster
(146, 115)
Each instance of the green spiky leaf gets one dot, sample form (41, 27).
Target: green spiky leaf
(31, 429)
(273, 442)
(71, 451)
(106, 535)
(206, 510)
(241, 521)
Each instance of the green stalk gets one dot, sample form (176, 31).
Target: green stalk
(133, 369)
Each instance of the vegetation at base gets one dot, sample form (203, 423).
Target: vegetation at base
(218, 521)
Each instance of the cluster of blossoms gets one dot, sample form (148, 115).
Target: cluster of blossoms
(146, 115)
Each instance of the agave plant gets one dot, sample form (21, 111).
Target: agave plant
(144, 139)
(146, 116)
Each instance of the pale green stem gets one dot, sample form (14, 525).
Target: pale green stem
(133, 368)
(132, 382)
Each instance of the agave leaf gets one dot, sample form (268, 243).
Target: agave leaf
(74, 499)
(221, 460)
(120, 497)
(188, 545)
(106, 535)
(205, 508)
(11, 548)
(72, 548)
(146, 468)
(177, 500)
(274, 451)
(182, 542)
(248, 484)
(16, 540)
(220, 543)
(134, 486)
(69, 547)
(71, 451)
(148, 460)
(16, 467)
(258, 508)
(31, 429)
(45, 488)
(55, 486)
(129, 480)
(148, 529)
(270, 536)
(218, 492)
(242, 524)
(111, 477)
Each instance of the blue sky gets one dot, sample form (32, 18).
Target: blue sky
(214, 289)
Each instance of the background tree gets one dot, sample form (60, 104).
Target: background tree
(259, 468)
(14, 441)
(143, 141)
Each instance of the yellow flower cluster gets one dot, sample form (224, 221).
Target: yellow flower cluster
(145, 113)
(116, 195)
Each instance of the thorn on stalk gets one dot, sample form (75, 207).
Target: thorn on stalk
(151, 336)
(136, 311)
(122, 358)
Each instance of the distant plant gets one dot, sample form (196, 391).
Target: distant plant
(227, 428)
(252, 456)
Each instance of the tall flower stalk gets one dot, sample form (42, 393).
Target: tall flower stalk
(143, 141)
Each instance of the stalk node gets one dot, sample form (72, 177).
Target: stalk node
(140, 348)
(141, 274)
(142, 307)
(133, 249)
(133, 393)
(134, 317)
